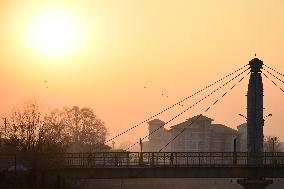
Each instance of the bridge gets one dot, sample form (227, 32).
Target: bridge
(114, 165)
(108, 165)
(252, 168)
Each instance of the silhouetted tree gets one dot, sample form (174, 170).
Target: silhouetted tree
(60, 130)
(54, 134)
(86, 131)
(268, 143)
(24, 123)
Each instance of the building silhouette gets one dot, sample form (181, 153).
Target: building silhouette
(200, 135)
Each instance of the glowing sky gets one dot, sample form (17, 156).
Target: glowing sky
(169, 47)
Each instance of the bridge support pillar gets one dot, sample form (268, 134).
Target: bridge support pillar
(254, 183)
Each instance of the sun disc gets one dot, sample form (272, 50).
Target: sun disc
(55, 32)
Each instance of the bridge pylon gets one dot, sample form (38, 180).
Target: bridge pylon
(255, 121)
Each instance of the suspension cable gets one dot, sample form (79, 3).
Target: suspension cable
(273, 75)
(178, 103)
(274, 70)
(272, 82)
(212, 92)
(201, 114)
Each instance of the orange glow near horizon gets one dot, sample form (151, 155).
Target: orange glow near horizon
(102, 54)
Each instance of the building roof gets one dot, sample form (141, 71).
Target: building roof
(201, 118)
(189, 122)
(156, 121)
(223, 129)
(242, 126)
(181, 125)
(218, 128)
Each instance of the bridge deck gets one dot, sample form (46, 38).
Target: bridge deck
(152, 164)
(145, 159)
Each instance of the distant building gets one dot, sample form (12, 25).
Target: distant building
(242, 137)
(197, 136)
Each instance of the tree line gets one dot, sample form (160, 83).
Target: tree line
(27, 128)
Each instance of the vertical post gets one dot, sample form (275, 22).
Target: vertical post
(273, 145)
(235, 152)
(141, 147)
(141, 152)
(127, 159)
(187, 159)
(104, 158)
(153, 159)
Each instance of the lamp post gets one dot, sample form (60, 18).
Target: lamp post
(141, 152)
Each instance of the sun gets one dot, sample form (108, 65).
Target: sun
(55, 32)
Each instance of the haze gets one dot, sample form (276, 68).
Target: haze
(128, 53)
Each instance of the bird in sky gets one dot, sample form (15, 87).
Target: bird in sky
(45, 82)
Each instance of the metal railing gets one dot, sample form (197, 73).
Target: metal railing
(144, 159)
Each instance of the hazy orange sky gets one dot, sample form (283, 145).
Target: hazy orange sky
(171, 47)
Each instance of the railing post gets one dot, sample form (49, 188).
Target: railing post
(127, 159)
(176, 158)
(141, 158)
(210, 158)
(104, 158)
(141, 152)
(186, 159)
(235, 152)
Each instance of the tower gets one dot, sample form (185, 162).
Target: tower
(255, 121)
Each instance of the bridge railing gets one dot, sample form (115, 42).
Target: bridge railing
(144, 159)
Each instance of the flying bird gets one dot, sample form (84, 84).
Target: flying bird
(45, 82)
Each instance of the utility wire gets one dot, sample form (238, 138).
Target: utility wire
(201, 114)
(212, 92)
(181, 101)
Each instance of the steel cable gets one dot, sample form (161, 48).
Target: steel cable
(181, 101)
(212, 92)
